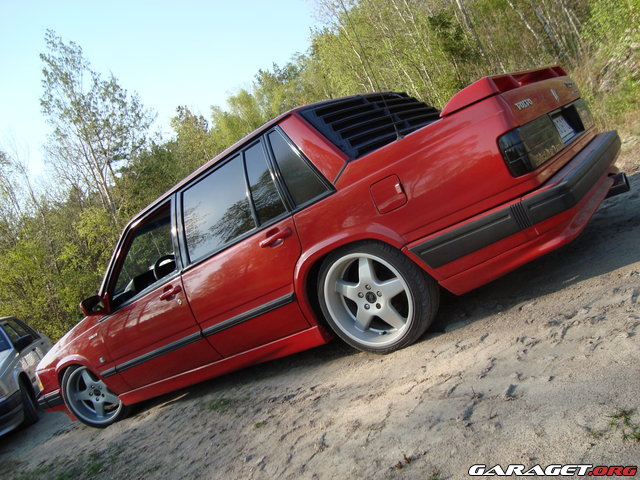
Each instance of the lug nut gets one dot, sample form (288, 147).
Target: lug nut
(367, 307)
(368, 287)
(379, 294)
(378, 305)
(360, 294)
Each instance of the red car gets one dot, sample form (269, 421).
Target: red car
(344, 217)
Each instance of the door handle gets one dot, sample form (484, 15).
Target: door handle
(170, 292)
(275, 237)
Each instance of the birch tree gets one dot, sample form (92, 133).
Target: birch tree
(97, 125)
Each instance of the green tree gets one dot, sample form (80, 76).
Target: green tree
(97, 125)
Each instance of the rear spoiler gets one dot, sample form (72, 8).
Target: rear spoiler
(495, 84)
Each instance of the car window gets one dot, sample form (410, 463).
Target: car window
(11, 332)
(302, 182)
(149, 257)
(264, 193)
(19, 328)
(4, 342)
(26, 328)
(216, 210)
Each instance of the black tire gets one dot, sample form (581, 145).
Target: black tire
(29, 406)
(89, 399)
(375, 298)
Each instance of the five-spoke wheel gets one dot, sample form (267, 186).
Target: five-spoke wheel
(375, 298)
(89, 399)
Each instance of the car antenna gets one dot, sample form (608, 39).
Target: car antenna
(367, 67)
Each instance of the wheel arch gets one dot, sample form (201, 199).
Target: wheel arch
(68, 362)
(308, 265)
(24, 378)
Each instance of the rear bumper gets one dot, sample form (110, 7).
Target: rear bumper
(491, 244)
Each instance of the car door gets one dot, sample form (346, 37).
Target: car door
(29, 356)
(151, 333)
(242, 247)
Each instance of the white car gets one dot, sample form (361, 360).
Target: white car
(21, 348)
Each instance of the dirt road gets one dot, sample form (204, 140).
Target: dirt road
(539, 367)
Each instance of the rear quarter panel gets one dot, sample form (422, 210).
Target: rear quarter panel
(449, 170)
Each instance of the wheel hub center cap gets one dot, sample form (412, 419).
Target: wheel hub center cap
(371, 297)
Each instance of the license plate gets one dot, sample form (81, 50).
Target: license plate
(563, 127)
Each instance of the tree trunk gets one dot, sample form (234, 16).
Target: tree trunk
(550, 33)
(467, 22)
(529, 27)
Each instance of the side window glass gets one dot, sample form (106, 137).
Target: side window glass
(11, 333)
(27, 328)
(263, 191)
(18, 328)
(302, 182)
(216, 210)
(149, 258)
(4, 344)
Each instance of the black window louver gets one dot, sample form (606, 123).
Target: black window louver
(360, 124)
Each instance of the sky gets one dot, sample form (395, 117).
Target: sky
(182, 52)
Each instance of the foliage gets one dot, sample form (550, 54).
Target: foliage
(55, 242)
(96, 124)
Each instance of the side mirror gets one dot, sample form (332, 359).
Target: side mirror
(93, 306)
(23, 342)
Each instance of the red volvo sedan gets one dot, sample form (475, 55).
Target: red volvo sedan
(343, 217)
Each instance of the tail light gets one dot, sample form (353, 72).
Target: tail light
(527, 147)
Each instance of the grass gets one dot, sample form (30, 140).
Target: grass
(622, 420)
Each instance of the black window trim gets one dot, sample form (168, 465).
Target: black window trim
(247, 187)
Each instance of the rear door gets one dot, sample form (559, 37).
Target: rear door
(242, 246)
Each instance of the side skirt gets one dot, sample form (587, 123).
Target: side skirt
(297, 342)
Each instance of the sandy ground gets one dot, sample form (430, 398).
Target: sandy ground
(531, 369)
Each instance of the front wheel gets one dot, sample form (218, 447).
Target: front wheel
(89, 398)
(375, 298)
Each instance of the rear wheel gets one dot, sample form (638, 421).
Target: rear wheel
(29, 406)
(89, 398)
(375, 298)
